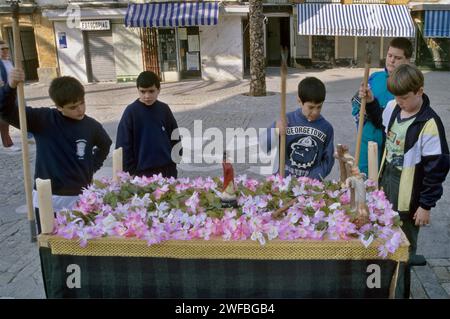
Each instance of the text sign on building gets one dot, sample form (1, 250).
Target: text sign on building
(94, 25)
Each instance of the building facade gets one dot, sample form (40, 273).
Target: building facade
(114, 40)
(433, 34)
(39, 58)
(337, 34)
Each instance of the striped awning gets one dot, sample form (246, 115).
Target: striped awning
(437, 24)
(376, 20)
(171, 14)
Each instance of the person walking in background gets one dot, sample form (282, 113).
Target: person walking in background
(5, 69)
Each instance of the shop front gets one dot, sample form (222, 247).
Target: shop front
(170, 36)
(97, 47)
(98, 44)
(433, 37)
(330, 34)
(37, 47)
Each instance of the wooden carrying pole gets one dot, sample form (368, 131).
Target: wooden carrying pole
(117, 163)
(23, 120)
(46, 212)
(283, 111)
(362, 110)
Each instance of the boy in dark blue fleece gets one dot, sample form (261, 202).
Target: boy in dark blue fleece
(70, 146)
(145, 132)
(309, 137)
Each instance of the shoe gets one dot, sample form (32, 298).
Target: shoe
(417, 260)
(12, 148)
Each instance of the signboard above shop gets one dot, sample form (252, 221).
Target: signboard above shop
(94, 25)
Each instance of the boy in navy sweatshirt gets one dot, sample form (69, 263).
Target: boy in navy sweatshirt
(309, 137)
(70, 146)
(145, 132)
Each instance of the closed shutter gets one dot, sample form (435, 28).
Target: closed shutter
(100, 56)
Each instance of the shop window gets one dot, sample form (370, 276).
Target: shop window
(323, 51)
(167, 50)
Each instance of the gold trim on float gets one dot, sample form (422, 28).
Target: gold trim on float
(220, 249)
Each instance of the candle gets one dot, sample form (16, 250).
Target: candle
(117, 162)
(44, 189)
(373, 162)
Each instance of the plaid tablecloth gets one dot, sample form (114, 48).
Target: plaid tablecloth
(120, 268)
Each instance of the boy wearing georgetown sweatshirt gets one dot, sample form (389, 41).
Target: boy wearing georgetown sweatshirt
(309, 136)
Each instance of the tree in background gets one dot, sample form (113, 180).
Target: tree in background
(257, 61)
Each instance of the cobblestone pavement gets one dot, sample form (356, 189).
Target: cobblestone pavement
(222, 105)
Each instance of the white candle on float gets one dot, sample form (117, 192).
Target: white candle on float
(373, 162)
(117, 162)
(46, 213)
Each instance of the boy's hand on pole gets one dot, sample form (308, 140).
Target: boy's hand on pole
(16, 76)
(365, 92)
(281, 126)
(422, 217)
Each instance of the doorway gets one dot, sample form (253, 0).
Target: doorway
(190, 64)
(277, 37)
(246, 45)
(30, 61)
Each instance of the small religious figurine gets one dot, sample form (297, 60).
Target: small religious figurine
(358, 196)
(346, 162)
(228, 195)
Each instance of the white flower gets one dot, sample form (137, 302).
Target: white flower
(295, 216)
(299, 190)
(305, 221)
(256, 235)
(273, 232)
(109, 222)
(163, 206)
(334, 206)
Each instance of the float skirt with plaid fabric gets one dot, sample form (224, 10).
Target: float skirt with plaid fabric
(129, 268)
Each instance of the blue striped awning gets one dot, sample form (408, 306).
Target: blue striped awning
(369, 20)
(171, 14)
(437, 24)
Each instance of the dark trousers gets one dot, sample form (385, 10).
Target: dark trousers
(38, 220)
(168, 171)
(4, 132)
(390, 182)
